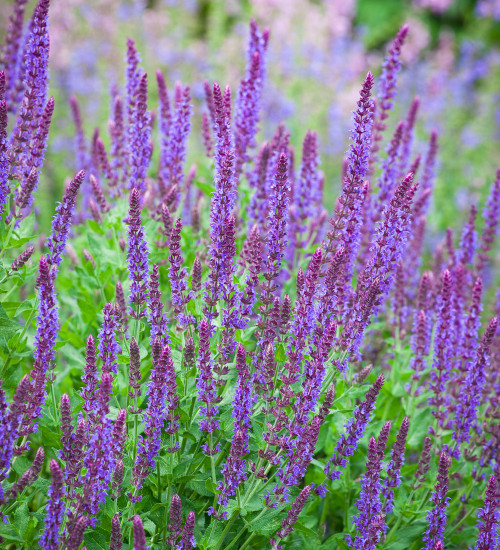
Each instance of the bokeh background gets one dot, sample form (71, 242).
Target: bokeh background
(319, 51)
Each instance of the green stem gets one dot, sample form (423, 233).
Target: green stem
(226, 529)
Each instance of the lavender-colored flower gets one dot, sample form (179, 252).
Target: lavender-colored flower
(99, 463)
(11, 55)
(4, 160)
(139, 139)
(137, 255)
(61, 222)
(234, 469)
(443, 352)
(35, 82)
(49, 539)
(428, 175)
(488, 518)
(346, 220)
(221, 207)
(407, 140)
(206, 132)
(80, 146)
(164, 114)
(277, 222)
(154, 417)
(118, 147)
(491, 215)
(29, 176)
(178, 276)
(108, 346)
(248, 98)
(45, 339)
(139, 536)
(394, 468)
(437, 516)
(116, 534)
(470, 394)
(207, 388)
(157, 319)
(388, 86)
(368, 503)
(354, 431)
(175, 155)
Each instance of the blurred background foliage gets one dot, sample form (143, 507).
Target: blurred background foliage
(319, 51)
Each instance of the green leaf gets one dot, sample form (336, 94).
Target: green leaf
(268, 524)
(22, 517)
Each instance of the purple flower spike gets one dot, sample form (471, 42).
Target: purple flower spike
(4, 161)
(108, 346)
(346, 221)
(116, 534)
(394, 468)
(45, 339)
(11, 59)
(178, 276)
(491, 215)
(89, 378)
(160, 390)
(437, 516)
(221, 208)
(77, 533)
(443, 353)
(188, 542)
(157, 319)
(369, 521)
(139, 536)
(488, 518)
(388, 86)
(207, 388)
(34, 76)
(175, 525)
(173, 163)
(470, 394)
(62, 221)
(54, 510)
(140, 136)
(137, 255)
(248, 98)
(354, 431)
(277, 220)
(293, 514)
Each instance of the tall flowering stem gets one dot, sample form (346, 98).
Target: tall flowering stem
(393, 479)
(221, 208)
(137, 255)
(354, 431)
(388, 87)
(249, 97)
(436, 517)
(368, 521)
(61, 222)
(488, 518)
(154, 419)
(466, 411)
(491, 215)
(346, 220)
(55, 509)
